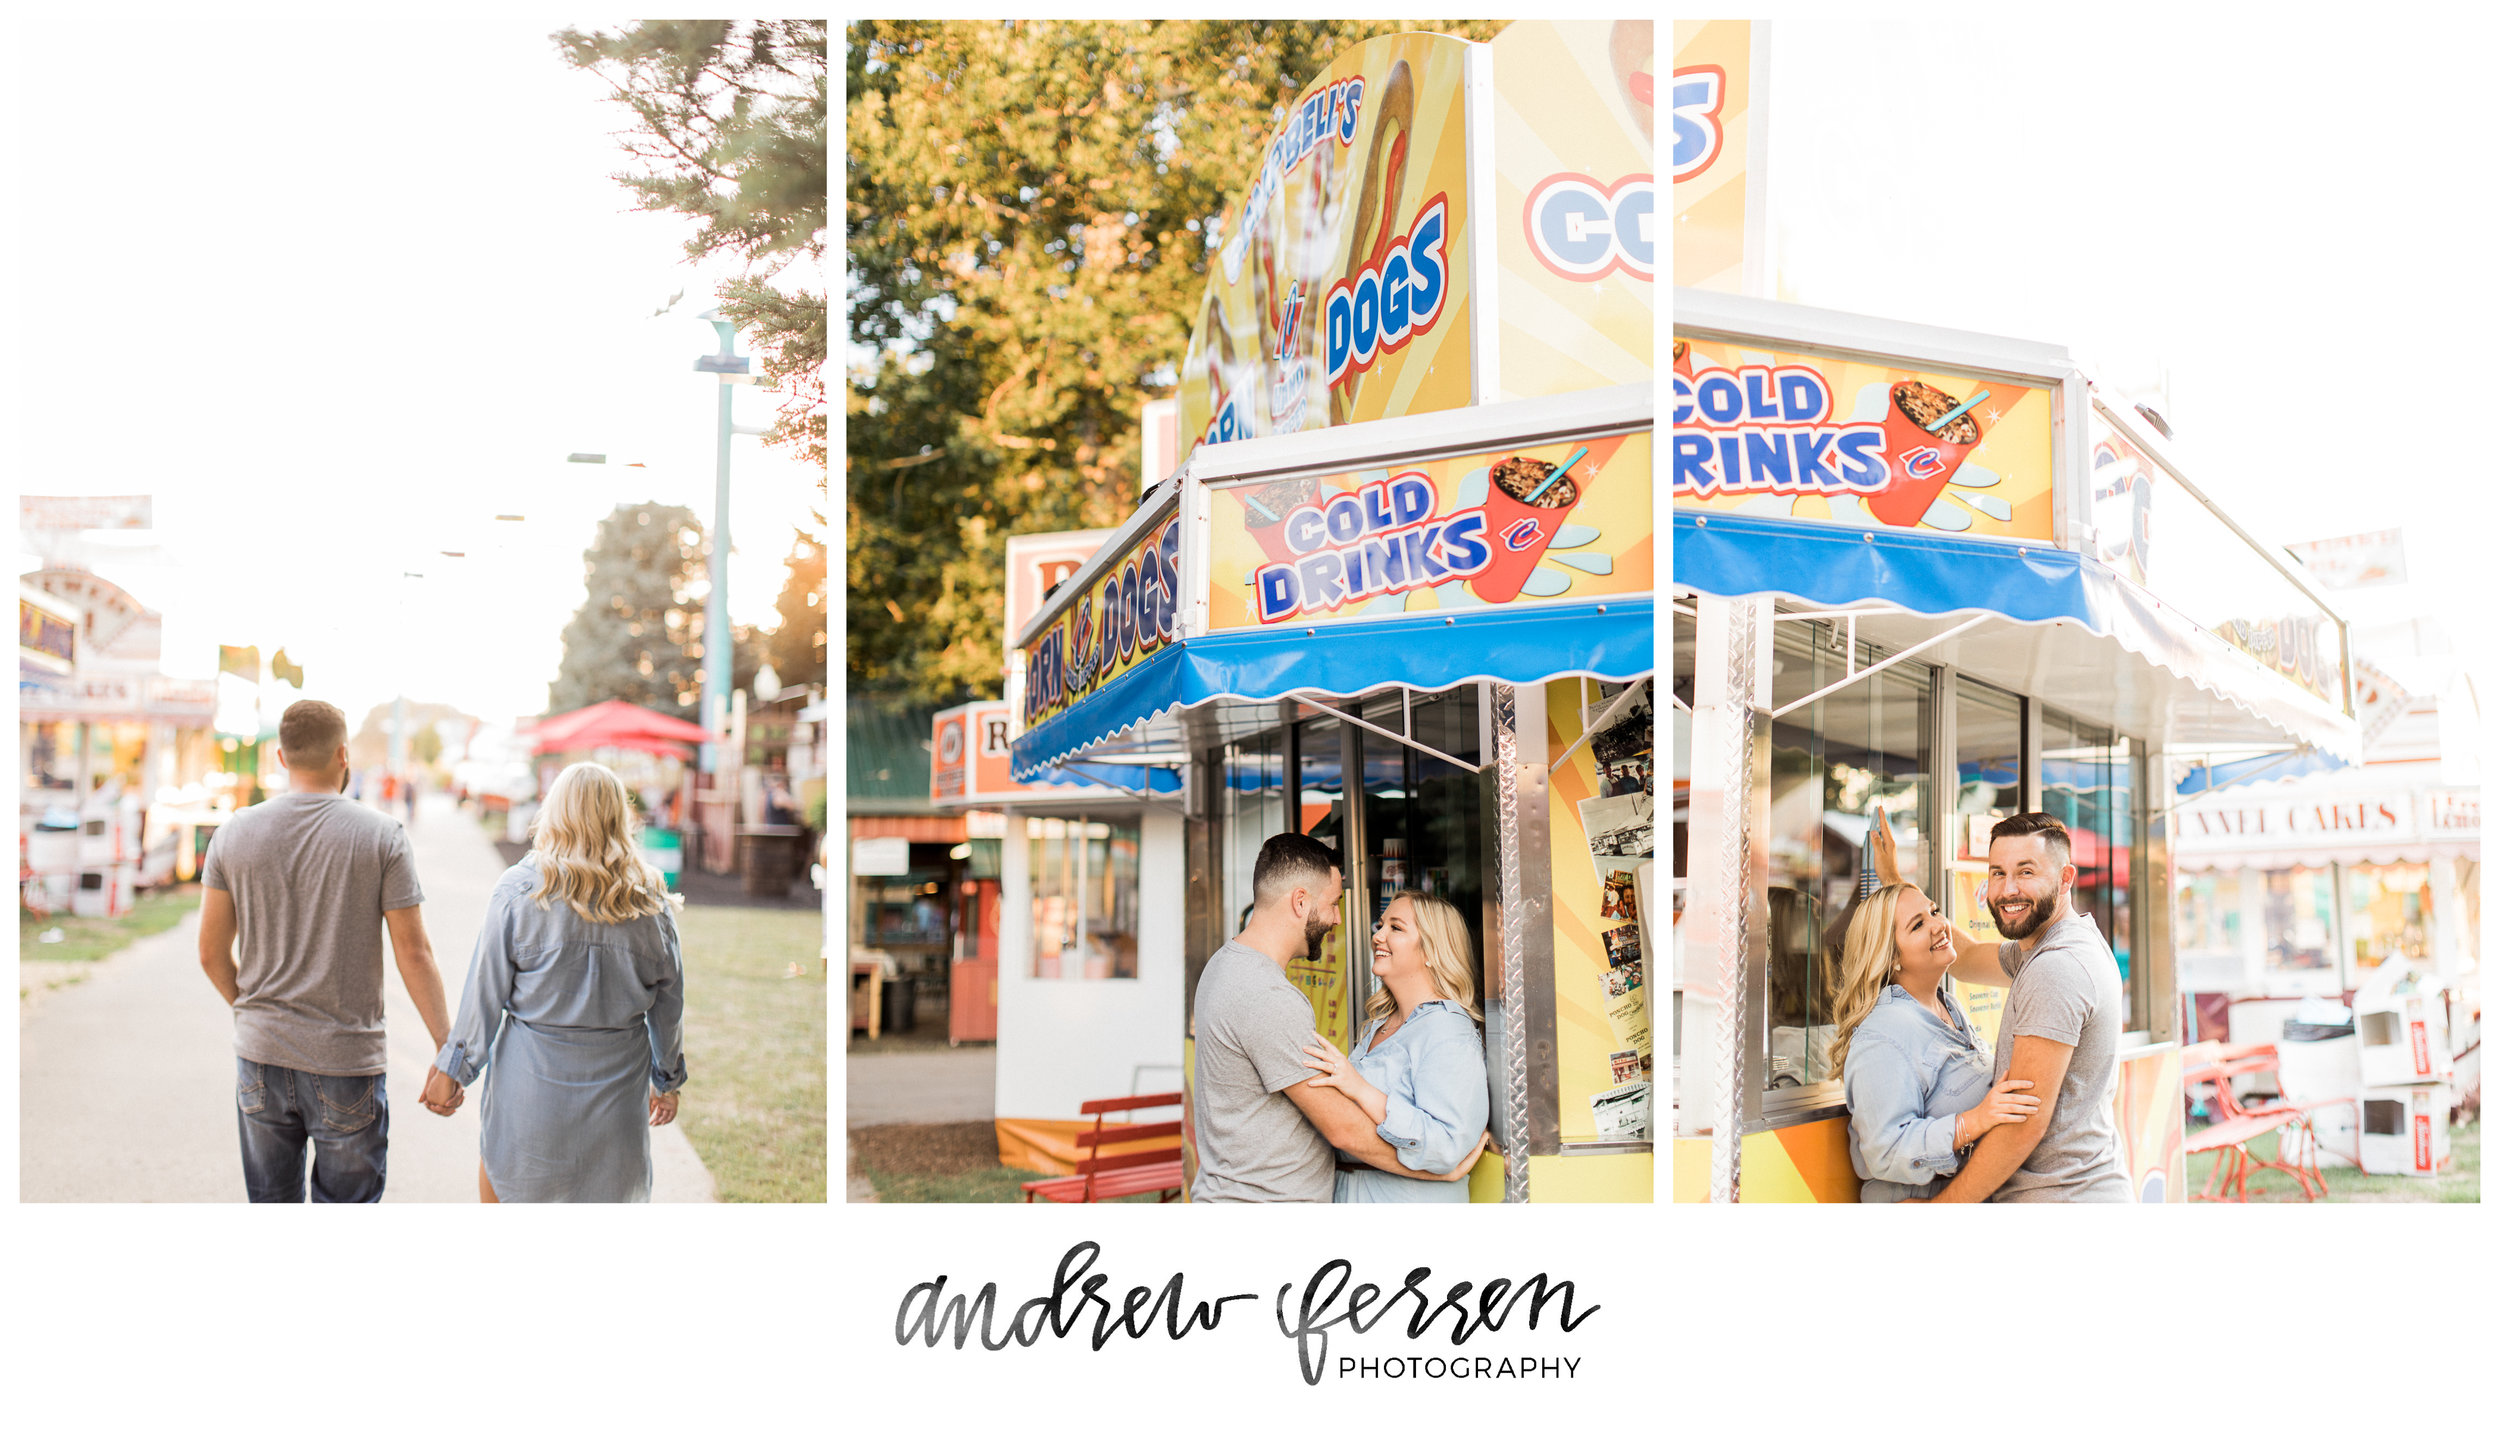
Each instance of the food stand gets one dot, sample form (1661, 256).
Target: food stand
(1915, 569)
(1400, 594)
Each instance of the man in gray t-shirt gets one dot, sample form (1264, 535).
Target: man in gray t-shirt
(2067, 993)
(1263, 1132)
(2060, 1030)
(1253, 1145)
(295, 896)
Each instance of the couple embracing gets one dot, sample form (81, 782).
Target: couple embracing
(1281, 1113)
(571, 1013)
(1934, 1114)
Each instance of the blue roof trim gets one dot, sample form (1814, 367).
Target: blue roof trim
(1845, 565)
(1518, 646)
(2260, 769)
(1141, 778)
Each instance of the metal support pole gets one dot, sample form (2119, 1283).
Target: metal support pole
(716, 634)
(1728, 916)
(1515, 916)
(78, 812)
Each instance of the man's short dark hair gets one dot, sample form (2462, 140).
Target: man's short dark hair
(2046, 826)
(310, 733)
(1287, 862)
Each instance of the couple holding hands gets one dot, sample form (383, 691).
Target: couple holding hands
(572, 1012)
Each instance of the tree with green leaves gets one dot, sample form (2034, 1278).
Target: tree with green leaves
(729, 129)
(639, 634)
(1029, 207)
(796, 647)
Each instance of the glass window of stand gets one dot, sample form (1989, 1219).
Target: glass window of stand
(1084, 881)
(2088, 780)
(2387, 908)
(1833, 762)
(1423, 817)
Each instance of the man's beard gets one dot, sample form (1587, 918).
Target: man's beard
(2043, 910)
(1314, 933)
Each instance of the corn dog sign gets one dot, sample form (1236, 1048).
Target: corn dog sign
(1340, 282)
(1127, 611)
(1818, 438)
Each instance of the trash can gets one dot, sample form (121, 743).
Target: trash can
(665, 850)
(764, 859)
(902, 995)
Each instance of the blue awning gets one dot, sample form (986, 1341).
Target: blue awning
(2173, 676)
(1613, 641)
(1845, 565)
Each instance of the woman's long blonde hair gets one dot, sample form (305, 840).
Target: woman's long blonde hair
(1866, 960)
(1448, 953)
(585, 836)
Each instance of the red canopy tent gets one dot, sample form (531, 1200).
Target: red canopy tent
(614, 724)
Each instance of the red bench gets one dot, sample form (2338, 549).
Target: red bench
(1129, 1173)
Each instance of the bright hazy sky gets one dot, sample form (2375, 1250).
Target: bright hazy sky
(2286, 216)
(339, 293)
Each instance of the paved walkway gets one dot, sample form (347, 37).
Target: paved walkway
(126, 1079)
(952, 1084)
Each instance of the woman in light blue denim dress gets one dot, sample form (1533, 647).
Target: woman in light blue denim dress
(572, 1009)
(1418, 1065)
(1914, 1071)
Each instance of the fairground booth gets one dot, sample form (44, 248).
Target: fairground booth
(1935, 573)
(1400, 593)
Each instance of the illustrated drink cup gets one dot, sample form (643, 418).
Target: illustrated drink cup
(1921, 461)
(1519, 532)
(1275, 501)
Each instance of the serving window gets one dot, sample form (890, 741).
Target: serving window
(1084, 881)
(2387, 908)
(2088, 781)
(1833, 763)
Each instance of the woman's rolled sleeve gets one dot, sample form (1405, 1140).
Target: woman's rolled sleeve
(667, 1017)
(1894, 1141)
(491, 971)
(1437, 1118)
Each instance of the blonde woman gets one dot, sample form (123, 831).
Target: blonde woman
(1914, 1071)
(1418, 1066)
(572, 1008)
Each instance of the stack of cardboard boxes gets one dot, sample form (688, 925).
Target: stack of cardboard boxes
(2400, 1020)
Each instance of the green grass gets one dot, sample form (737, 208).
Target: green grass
(2462, 1182)
(994, 1184)
(754, 1104)
(85, 940)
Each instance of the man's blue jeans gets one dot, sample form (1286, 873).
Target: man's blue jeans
(345, 1120)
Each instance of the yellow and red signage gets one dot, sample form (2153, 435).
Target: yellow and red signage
(1814, 438)
(1340, 285)
(1562, 521)
(1718, 205)
(1575, 204)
